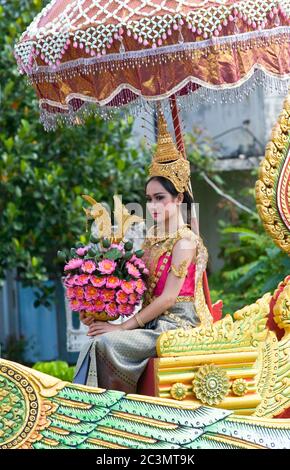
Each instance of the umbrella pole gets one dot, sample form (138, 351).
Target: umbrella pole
(181, 148)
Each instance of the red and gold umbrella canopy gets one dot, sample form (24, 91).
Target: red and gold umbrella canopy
(101, 54)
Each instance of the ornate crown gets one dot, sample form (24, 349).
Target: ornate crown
(168, 161)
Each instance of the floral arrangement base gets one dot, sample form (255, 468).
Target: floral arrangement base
(101, 316)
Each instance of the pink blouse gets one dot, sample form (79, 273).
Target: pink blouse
(188, 285)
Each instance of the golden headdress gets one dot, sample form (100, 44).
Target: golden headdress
(168, 161)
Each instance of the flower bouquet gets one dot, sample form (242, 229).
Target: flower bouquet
(105, 278)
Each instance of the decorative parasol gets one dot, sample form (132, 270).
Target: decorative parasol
(96, 55)
(85, 56)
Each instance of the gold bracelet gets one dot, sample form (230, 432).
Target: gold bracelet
(181, 270)
(139, 321)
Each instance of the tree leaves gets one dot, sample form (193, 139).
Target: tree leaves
(42, 175)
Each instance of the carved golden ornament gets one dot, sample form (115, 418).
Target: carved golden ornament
(272, 187)
(103, 219)
(178, 391)
(24, 409)
(240, 387)
(223, 335)
(202, 310)
(181, 270)
(281, 308)
(274, 380)
(211, 384)
(168, 161)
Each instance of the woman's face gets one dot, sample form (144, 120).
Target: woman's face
(160, 203)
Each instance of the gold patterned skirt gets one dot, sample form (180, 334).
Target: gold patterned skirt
(117, 359)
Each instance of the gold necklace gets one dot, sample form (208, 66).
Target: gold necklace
(153, 239)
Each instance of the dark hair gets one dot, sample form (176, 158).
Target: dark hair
(169, 186)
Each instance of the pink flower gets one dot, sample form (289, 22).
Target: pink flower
(139, 263)
(113, 282)
(121, 297)
(99, 306)
(91, 293)
(107, 266)
(107, 295)
(82, 279)
(79, 292)
(130, 309)
(89, 266)
(111, 309)
(91, 307)
(74, 263)
(125, 309)
(98, 281)
(85, 305)
(74, 280)
(68, 280)
(133, 298)
(134, 259)
(70, 292)
(132, 270)
(140, 286)
(145, 271)
(82, 251)
(128, 286)
(75, 305)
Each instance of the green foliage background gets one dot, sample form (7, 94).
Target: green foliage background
(253, 264)
(42, 175)
(59, 369)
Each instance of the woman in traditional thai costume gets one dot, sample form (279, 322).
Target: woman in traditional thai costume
(117, 354)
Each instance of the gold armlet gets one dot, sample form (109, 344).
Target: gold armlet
(139, 321)
(181, 270)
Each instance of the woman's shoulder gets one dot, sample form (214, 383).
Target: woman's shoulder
(186, 241)
(186, 233)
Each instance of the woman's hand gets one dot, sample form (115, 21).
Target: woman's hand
(100, 327)
(86, 320)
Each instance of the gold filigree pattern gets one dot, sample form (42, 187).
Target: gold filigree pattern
(24, 423)
(272, 187)
(178, 391)
(274, 381)
(168, 161)
(281, 309)
(239, 387)
(180, 270)
(182, 323)
(201, 307)
(211, 384)
(267, 365)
